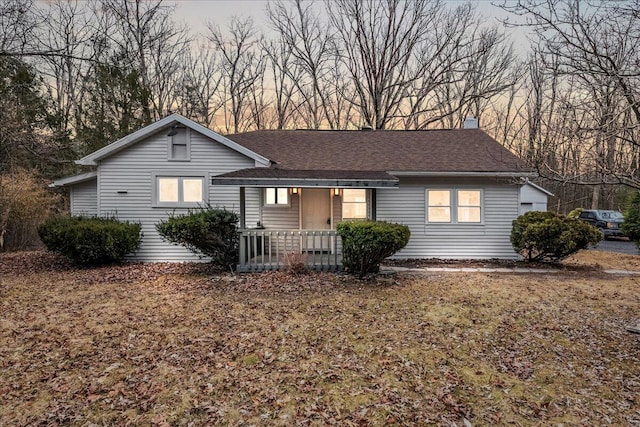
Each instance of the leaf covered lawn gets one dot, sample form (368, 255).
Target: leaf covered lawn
(178, 345)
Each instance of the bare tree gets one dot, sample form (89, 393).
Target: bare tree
(593, 50)
(67, 29)
(154, 45)
(17, 23)
(465, 64)
(242, 66)
(311, 45)
(200, 96)
(378, 41)
(285, 74)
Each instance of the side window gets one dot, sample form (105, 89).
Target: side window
(179, 191)
(354, 203)
(179, 144)
(439, 206)
(454, 206)
(469, 206)
(276, 196)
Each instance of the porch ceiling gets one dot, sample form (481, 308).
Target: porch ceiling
(272, 177)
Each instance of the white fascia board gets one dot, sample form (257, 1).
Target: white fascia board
(305, 182)
(75, 179)
(470, 174)
(537, 187)
(93, 158)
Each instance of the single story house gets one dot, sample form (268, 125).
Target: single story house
(457, 190)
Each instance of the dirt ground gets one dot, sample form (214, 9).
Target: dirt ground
(174, 344)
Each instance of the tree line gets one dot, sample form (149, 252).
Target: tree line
(77, 75)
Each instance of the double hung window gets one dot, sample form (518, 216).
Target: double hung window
(459, 206)
(187, 191)
(354, 203)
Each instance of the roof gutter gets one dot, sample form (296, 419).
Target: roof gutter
(72, 180)
(305, 182)
(469, 174)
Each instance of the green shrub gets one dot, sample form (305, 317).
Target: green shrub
(539, 236)
(631, 224)
(206, 232)
(90, 241)
(575, 213)
(366, 243)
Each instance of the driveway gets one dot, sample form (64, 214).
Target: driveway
(619, 246)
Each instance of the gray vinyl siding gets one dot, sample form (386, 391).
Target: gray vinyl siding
(491, 239)
(336, 213)
(532, 199)
(84, 198)
(282, 217)
(252, 206)
(131, 171)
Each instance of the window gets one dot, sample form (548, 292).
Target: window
(276, 196)
(469, 206)
(454, 206)
(438, 205)
(179, 144)
(179, 190)
(354, 203)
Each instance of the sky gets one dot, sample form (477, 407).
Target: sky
(197, 12)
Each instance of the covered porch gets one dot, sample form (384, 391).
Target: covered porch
(289, 217)
(263, 250)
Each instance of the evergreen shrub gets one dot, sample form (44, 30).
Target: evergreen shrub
(206, 232)
(366, 243)
(545, 236)
(90, 241)
(631, 224)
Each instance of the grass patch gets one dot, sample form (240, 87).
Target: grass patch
(177, 347)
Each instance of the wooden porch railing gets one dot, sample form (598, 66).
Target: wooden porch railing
(262, 250)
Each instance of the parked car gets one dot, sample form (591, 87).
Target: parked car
(608, 222)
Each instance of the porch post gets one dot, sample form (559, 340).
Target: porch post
(373, 204)
(243, 222)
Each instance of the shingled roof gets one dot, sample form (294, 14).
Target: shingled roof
(459, 150)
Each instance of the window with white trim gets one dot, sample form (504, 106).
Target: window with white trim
(276, 196)
(469, 206)
(179, 146)
(354, 203)
(179, 190)
(460, 206)
(438, 205)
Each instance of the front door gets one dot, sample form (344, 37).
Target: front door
(316, 209)
(316, 215)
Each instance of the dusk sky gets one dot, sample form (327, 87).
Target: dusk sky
(197, 12)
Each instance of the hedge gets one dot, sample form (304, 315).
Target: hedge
(90, 241)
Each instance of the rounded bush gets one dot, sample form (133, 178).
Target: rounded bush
(207, 232)
(90, 241)
(366, 243)
(539, 236)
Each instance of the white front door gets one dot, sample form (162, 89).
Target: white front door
(316, 209)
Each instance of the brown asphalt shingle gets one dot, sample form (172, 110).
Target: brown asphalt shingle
(459, 150)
